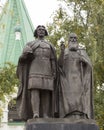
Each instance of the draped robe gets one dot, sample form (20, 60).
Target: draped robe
(75, 85)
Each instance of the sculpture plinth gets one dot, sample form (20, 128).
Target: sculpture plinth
(61, 124)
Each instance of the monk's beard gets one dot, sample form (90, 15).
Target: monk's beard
(73, 46)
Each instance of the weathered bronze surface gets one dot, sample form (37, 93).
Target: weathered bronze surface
(37, 72)
(76, 81)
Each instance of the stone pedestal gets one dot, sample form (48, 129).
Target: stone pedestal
(60, 124)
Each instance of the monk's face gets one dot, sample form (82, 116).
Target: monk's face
(73, 42)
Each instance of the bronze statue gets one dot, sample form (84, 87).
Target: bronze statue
(76, 81)
(37, 72)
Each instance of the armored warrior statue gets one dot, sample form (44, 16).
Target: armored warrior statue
(37, 72)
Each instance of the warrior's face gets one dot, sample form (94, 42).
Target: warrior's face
(40, 32)
(73, 42)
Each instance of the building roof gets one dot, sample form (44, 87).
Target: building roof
(16, 30)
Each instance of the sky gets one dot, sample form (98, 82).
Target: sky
(40, 11)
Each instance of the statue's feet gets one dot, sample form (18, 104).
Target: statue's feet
(36, 116)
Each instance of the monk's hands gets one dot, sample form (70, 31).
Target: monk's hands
(83, 60)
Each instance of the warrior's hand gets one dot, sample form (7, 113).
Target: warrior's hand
(27, 50)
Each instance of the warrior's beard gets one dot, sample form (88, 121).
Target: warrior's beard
(73, 46)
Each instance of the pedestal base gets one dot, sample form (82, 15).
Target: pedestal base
(60, 124)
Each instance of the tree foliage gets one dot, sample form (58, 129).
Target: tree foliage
(86, 19)
(8, 80)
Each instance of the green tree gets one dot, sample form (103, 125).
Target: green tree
(8, 80)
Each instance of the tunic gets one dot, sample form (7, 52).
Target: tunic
(41, 73)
